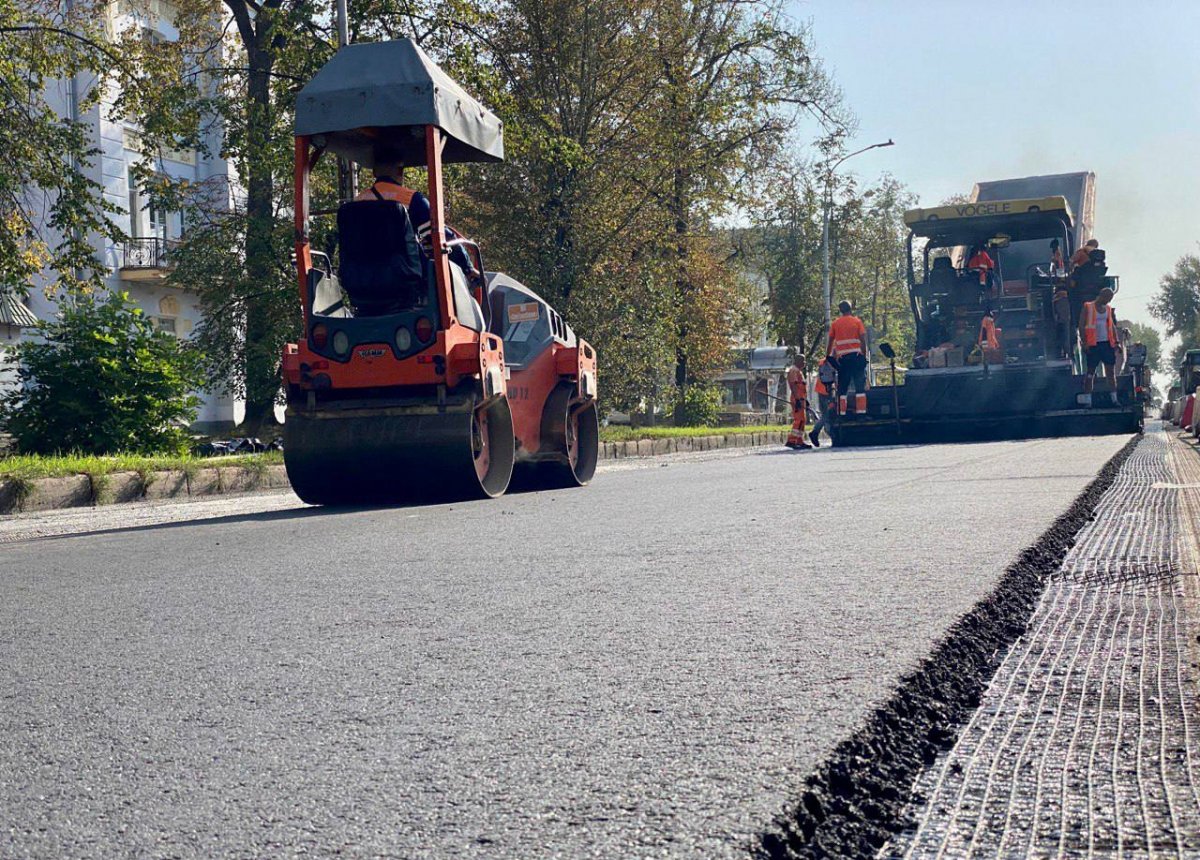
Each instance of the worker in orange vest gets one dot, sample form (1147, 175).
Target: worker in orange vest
(824, 386)
(388, 166)
(848, 346)
(1098, 328)
(981, 261)
(987, 331)
(798, 389)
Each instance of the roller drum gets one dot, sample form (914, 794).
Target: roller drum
(399, 454)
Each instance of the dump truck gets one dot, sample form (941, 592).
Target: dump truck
(420, 375)
(1033, 385)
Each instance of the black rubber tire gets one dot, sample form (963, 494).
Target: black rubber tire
(569, 468)
(373, 457)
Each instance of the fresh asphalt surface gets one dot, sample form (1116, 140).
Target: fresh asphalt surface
(646, 667)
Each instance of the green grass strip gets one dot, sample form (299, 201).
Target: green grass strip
(627, 434)
(27, 467)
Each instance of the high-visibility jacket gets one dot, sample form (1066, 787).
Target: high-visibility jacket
(981, 260)
(824, 370)
(797, 384)
(987, 333)
(847, 336)
(389, 189)
(1089, 324)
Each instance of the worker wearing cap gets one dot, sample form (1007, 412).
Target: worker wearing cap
(798, 391)
(387, 186)
(1083, 256)
(981, 261)
(1099, 330)
(848, 346)
(388, 166)
(824, 386)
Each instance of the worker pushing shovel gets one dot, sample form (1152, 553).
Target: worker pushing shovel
(798, 390)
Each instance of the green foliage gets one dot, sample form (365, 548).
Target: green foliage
(1149, 336)
(1177, 304)
(617, 433)
(631, 128)
(50, 207)
(698, 406)
(1178, 300)
(867, 240)
(102, 379)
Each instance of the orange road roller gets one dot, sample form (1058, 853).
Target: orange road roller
(420, 376)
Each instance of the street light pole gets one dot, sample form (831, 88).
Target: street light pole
(347, 170)
(827, 290)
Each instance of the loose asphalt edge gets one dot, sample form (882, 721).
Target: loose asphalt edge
(860, 797)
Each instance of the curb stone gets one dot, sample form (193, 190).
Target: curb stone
(78, 491)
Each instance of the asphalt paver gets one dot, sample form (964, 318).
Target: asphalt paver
(646, 667)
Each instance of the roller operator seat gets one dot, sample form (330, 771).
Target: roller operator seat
(380, 264)
(942, 277)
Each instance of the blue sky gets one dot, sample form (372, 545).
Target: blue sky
(1046, 87)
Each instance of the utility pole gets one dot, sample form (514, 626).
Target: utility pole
(347, 170)
(827, 290)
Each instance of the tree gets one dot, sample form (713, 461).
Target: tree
(102, 380)
(239, 87)
(1178, 300)
(50, 208)
(1149, 336)
(787, 252)
(733, 75)
(868, 262)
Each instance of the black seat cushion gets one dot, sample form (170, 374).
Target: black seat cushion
(1090, 275)
(942, 277)
(380, 264)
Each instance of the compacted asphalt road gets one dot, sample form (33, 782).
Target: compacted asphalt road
(646, 667)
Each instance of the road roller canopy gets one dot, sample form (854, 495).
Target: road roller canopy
(387, 92)
(1004, 220)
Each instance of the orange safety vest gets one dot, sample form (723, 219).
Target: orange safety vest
(797, 384)
(847, 334)
(821, 386)
(987, 333)
(388, 190)
(1089, 324)
(981, 260)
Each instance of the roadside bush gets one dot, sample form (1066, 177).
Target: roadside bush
(698, 406)
(101, 379)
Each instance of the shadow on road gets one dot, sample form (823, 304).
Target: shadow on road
(300, 512)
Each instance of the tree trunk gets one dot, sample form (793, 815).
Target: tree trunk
(262, 367)
(683, 290)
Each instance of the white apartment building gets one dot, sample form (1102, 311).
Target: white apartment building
(139, 265)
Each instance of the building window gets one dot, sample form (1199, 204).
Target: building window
(148, 221)
(166, 324)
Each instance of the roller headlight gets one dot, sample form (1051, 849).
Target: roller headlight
(341, 342)
(403, 339)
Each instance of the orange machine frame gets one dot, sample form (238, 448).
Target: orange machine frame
(465, 352)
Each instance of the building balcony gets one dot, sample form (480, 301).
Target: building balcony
(146, 259)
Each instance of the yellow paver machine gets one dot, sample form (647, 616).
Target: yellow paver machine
(1027, 381)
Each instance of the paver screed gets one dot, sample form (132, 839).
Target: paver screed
(1083, 743)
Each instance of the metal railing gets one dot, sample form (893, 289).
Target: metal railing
(150, 252)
